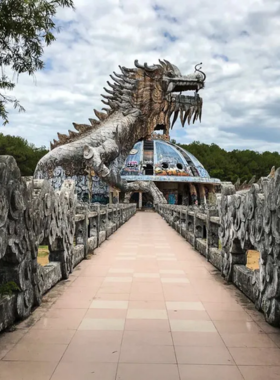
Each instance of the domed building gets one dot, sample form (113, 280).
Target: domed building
(176, 172)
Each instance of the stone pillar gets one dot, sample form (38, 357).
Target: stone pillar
(116, 196)
(212, 199)
(202, 196)
(140, 200)
(193, 193)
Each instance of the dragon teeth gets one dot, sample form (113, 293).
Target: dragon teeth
(175, 118)
(182, 115)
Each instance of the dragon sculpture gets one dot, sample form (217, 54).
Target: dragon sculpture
(140, 101)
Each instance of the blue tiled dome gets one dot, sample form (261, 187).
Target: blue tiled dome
(159, 160)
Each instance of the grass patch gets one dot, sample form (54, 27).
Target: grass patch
(43, 255)
(253, 259)
(8, 289)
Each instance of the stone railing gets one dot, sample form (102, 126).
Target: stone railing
(249, 219)
(199, 226)
(32, 213)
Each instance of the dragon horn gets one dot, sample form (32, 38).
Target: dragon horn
(138, 65)
(198, 69)
(109, 92)
(118, 75)
(168, 64)
(145, 67)
(163, 64)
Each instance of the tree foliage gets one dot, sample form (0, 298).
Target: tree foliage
(26, 27)
(26, 155)
(229, 166)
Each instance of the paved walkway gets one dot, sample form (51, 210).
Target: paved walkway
(146, 307)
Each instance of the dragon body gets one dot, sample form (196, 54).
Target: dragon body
(139, 101)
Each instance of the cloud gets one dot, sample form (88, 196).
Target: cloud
(236, 41)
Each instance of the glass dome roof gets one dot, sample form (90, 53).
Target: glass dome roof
(159, 160)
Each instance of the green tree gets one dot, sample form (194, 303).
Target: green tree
(228, 166)
(26, 155)
(26, 27)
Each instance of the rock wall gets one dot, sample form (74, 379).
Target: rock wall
(33, 213)
(249, 219)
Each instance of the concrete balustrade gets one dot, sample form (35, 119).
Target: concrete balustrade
(32, 213)
(201, 227)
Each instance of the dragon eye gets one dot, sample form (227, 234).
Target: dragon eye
(169, 73)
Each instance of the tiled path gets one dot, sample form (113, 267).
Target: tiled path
(146, 307)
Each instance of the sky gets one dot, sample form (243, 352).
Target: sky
(237, 42)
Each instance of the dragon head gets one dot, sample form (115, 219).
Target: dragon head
(157, 92)
(152, 93)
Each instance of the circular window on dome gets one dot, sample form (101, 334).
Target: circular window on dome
(164, 165)
(133, 152)
(179, 166)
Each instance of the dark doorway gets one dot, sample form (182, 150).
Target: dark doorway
(147, 201)
(149, 169)
(204, 232)
(180, 199)
(135, 199)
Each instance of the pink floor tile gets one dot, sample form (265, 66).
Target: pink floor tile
(146, 304)
(260, 372)
(141, 338)
(87, 352)
(209, 372)
(147, 354)
(85, 371)
(112, 296)
(147, 371)
(203, 355)
(245, 340)
(37, 352)
(147, 325)
(256, 356)
(95, 337)
(188, 314)
(26, 370)
(197, 339)
(106, 313)
(48, 336)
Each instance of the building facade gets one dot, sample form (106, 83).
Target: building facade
(177, 173)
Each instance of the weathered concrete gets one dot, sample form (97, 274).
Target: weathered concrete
(52, 275)
(33, 213)
(7, 311)
(246, 220)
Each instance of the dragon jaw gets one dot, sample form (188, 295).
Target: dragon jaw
(188, 106)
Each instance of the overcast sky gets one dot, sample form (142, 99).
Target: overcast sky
(237, 41)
